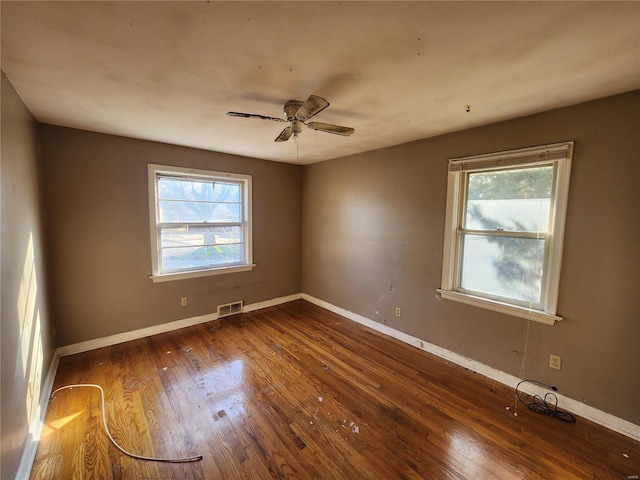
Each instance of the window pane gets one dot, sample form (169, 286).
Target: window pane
(199, 236)
(199, 190)
(515, 200)
(182, 211)
(503, 266)
(197, 258)
(198, 247)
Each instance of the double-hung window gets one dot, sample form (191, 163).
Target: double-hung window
(504, 230)
(200, 222)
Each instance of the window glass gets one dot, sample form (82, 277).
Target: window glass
(192, 246)
(503, 267)
(517, 200)
(198, 201)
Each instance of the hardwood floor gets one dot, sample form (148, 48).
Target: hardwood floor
(297, 392)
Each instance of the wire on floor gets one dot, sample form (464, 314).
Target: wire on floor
(547, 405)
(104, 422)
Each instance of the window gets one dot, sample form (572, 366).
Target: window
(504, 230)
(200, 222)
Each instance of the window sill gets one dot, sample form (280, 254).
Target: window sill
(167, 277)
(513, 310)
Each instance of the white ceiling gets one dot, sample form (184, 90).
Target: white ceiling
(394, 71)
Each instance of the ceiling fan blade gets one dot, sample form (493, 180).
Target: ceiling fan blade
(284, 135)
(330, 128)
(311, 107)
(254, 115)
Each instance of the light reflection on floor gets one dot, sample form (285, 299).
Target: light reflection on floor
(466, 452)
(470, 458)
(54, 425)
(226, 386)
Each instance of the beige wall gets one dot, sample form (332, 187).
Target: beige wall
(27, 335)
(98, 229)
(373, 232)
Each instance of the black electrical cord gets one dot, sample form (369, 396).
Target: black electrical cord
(547, 405)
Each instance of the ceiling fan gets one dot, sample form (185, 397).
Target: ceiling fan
(297, 114)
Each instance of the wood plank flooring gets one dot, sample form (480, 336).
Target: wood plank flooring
(297, 392)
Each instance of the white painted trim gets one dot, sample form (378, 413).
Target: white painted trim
(560, 202)
(37, 422)
(513, 310)
(169, 277)
(585, 411)
(519, 156)
(450, 241)
(272, 303)
(133, 335)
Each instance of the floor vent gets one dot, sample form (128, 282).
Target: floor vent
(229, 309)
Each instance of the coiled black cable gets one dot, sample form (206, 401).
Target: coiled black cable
(547, 405)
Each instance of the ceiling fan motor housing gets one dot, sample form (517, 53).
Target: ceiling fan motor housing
(296, 127)
(291, 108)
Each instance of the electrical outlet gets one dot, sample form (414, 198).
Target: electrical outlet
(398, 312)
(555, 361)
(183, 302)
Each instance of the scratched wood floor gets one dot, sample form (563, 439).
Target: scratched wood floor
(297, 392)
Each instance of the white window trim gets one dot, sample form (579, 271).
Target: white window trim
(156, 276)
(558, 153)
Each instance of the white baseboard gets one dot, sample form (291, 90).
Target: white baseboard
(133, 335)
(272, 303)
(585, 411)
(37, 422)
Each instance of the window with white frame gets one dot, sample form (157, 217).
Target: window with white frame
(504, 230)
(200, 222)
